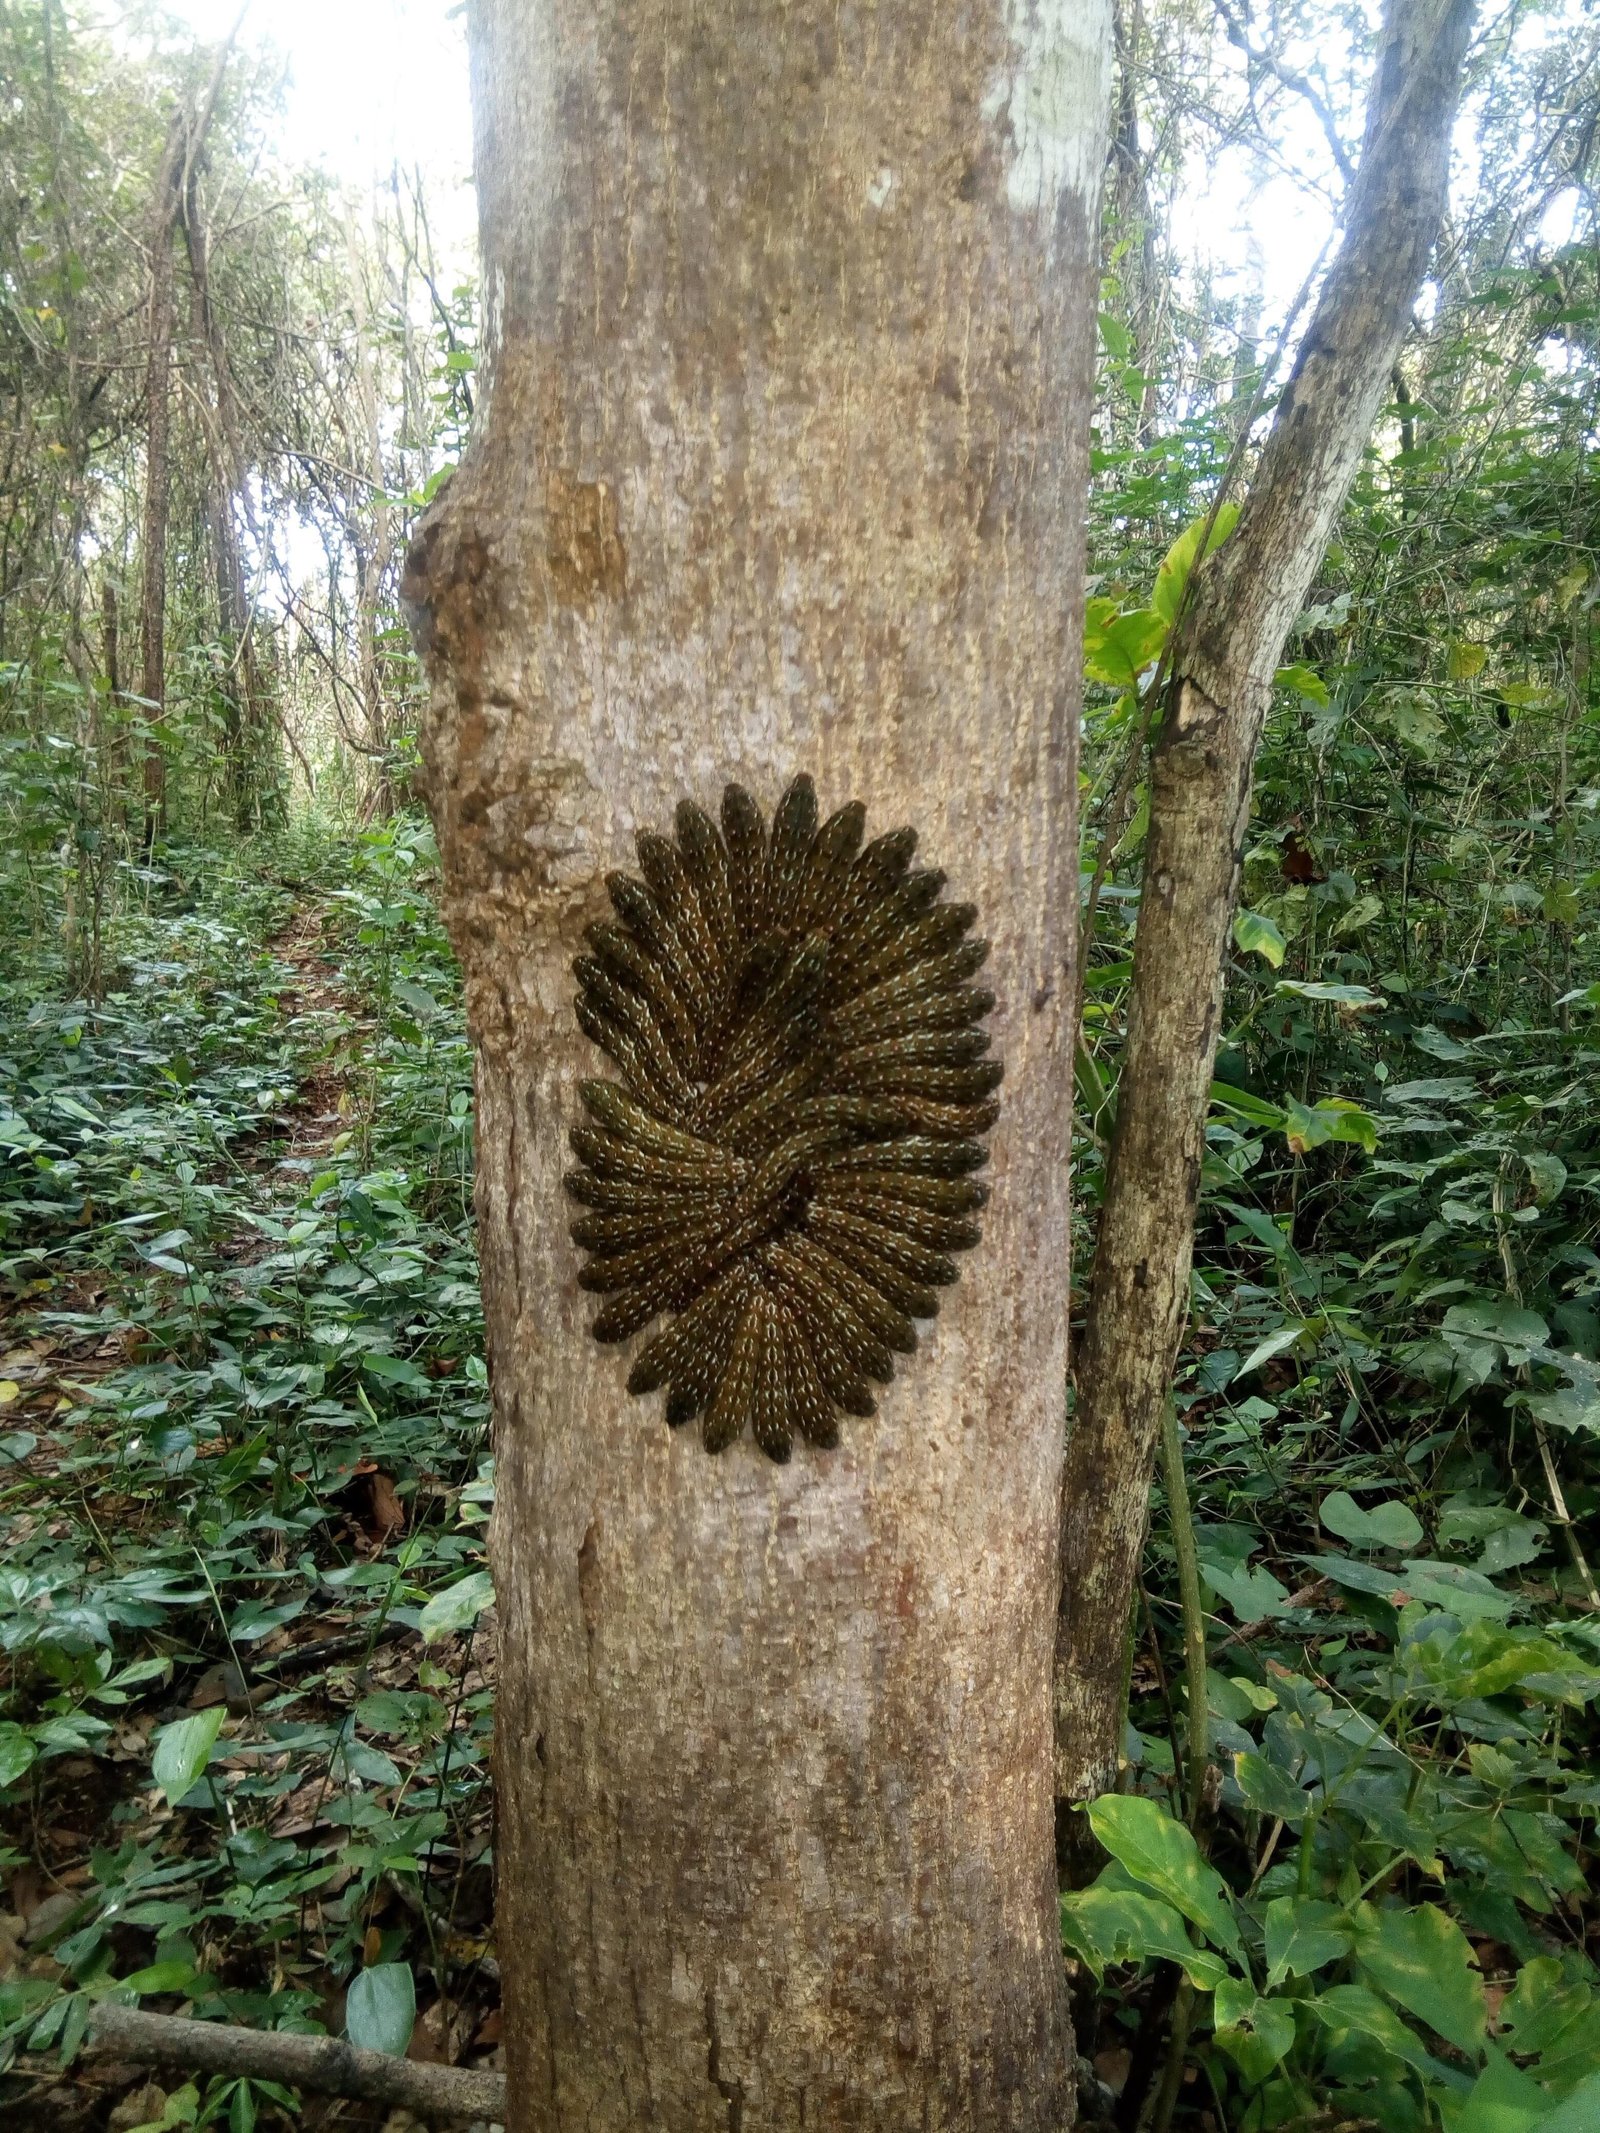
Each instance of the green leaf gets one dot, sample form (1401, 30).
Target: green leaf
(1339, 995)
(1577, 2113)
(1264, 1350)
(1255, 935)
(1118, 647)
(1308, 1126)
(1303, 1933)
(1353, 2007)
(380, 2009)
(1254, 1108)
(1503, 2099)
(1179, 562)
(1255, 2033)
(1359, 916)
(456, 1606)
(1111, 1925)
(175, 1975)
(1268, 1790)
(1254, 1595)
(1304, 681)
(397, 1370)
(1161, 1853)
(1464, 662)
(1381, 1525)
(183, 1751)
(1467, 1594)
(16, 1752)
(1547, 1174)
(1422, 1959)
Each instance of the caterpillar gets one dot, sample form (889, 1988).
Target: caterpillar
(781, 1167)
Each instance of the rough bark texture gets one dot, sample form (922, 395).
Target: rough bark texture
(782, 468)
(1245, 603)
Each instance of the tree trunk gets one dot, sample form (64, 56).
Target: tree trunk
(374, 552)
(158, 472)
(185, 138)
(1245, 602)
(781, 469)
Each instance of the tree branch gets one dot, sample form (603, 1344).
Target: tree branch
(328, 2065)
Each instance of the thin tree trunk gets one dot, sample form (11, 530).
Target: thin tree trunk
(1245, 603)
(248, 718)
(781, 468)
(185, 137)
(373, 557)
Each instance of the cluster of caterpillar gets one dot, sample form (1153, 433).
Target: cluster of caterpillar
(785, 1165)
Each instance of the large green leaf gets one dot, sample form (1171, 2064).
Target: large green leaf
(456, 1606)
(1303, 1933)
(1577, 2113)
(1113, 1925)
(1255, 935)
(16, 1752)
(1161, 1853)
(1118, 647)
(1421, 1958)
(1379, 1525)
(1503, 2100)
(1255, 2033)
(1268, 1790)
(380, 2009)
(1177, 565)
(183, 1750)
(1353, 2007)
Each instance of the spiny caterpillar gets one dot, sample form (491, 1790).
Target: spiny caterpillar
(785, 1164)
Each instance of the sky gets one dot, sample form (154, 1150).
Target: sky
(372, 82)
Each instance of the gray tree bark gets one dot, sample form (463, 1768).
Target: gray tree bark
(782, 468)
(1244, 603)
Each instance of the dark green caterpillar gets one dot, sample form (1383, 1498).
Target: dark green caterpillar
(782, 1163)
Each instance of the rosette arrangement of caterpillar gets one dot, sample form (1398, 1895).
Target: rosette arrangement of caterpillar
(782, 1170)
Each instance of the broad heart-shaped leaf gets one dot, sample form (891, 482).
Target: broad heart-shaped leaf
(1305, 681)
(1161, 1853)
(380, 2009)
(1421, 1958)
(1114, 1925)
(1254, 2033)
(1455, 1590)
(1308, 1126)
(183, 1750)
(1352, 2007)
(1379, 1525)
(1521, 1333)
(1177, 565)
(1502, 2100)
(1252, 1594)
(1269, 1790)
(456, 1606)
(1303, 1933)
(1255, 935)
(1116, 647)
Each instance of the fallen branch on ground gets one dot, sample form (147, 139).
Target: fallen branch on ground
(326, 2064)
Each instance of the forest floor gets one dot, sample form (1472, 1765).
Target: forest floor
(245, 1438)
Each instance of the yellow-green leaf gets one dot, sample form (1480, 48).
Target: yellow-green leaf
(1255, 935)
(1179, 562)
(1465, 661)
